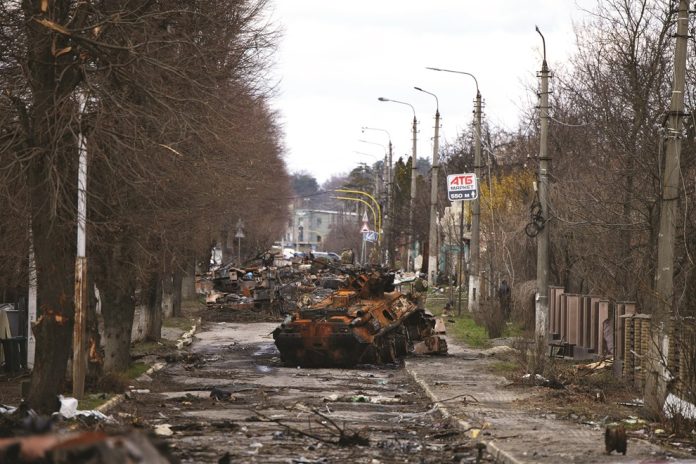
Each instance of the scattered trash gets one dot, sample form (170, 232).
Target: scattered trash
(164, 430)
(500, 351)
(675, 405)
(220, 395)
(596, 366)
(303, 460)
(633, 403)
(68, 406)
(378, 399)
(632, 420)
(542, 381)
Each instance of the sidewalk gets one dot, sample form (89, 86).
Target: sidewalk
(512, 432)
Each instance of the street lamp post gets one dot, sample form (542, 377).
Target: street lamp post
(378, 185)
(414, 174)
(388, 209)
(239, 235)
(432, 236)
(474, 280)
(542, 302)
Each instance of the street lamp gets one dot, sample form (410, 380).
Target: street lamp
(474, 281)
(378, 185)
(432, 236)
(389, 256)
(414, 174)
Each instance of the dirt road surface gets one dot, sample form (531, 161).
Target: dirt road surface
(289, 415)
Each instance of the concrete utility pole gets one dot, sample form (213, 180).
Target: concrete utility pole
(656, 381)
(432, 236)
(474, 279)
(389, 242)
(79, 359)
(414, 175)
(542, 298)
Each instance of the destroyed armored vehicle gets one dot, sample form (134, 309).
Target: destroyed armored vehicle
(366, 321)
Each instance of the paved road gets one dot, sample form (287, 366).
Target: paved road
(273, 415)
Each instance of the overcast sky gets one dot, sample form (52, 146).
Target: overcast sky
(337, 57)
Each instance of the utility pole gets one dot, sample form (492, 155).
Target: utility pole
(411, 235)
(658, 375)
(79, 359)
(390, 210)
(474, 278)
(542, 299)
(414, 175)
(432, 235)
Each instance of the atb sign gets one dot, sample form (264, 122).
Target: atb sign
(462, 187)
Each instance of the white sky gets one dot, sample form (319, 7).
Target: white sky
(337, 57)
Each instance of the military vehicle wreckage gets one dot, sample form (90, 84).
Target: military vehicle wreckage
(367, 320)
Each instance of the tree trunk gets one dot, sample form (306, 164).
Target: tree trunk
(153, 331)
(177, 292)
(53, 329)
(116, 283)
(167, 289)
(188, 284)
(51, 179)
(118, 308)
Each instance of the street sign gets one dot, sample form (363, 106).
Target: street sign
(370, 236)
(364, 229)
(462, 187)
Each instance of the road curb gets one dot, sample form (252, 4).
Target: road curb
(499, 454)
(184, 340)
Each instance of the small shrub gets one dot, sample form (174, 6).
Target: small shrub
(533, 357)
(491, 316)
(523, 306)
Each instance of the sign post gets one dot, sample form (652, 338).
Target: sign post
(461, 187)
(239, 236)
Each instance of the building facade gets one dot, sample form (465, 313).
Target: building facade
(308, 229)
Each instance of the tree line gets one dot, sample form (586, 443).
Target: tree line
(607, 139)
(172, 99)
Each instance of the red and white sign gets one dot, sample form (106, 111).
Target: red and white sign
(462, 187)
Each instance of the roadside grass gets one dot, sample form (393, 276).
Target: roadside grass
(110, 384)
(136, 369)
(144, 348)
(505, 368)
(465, 328)
(93, 401)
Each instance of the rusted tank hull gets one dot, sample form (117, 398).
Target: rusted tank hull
(355, 327)
(321, 344)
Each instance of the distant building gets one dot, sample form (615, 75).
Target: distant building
(308, 229)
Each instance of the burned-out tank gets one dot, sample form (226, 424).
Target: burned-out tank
(366, 321)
